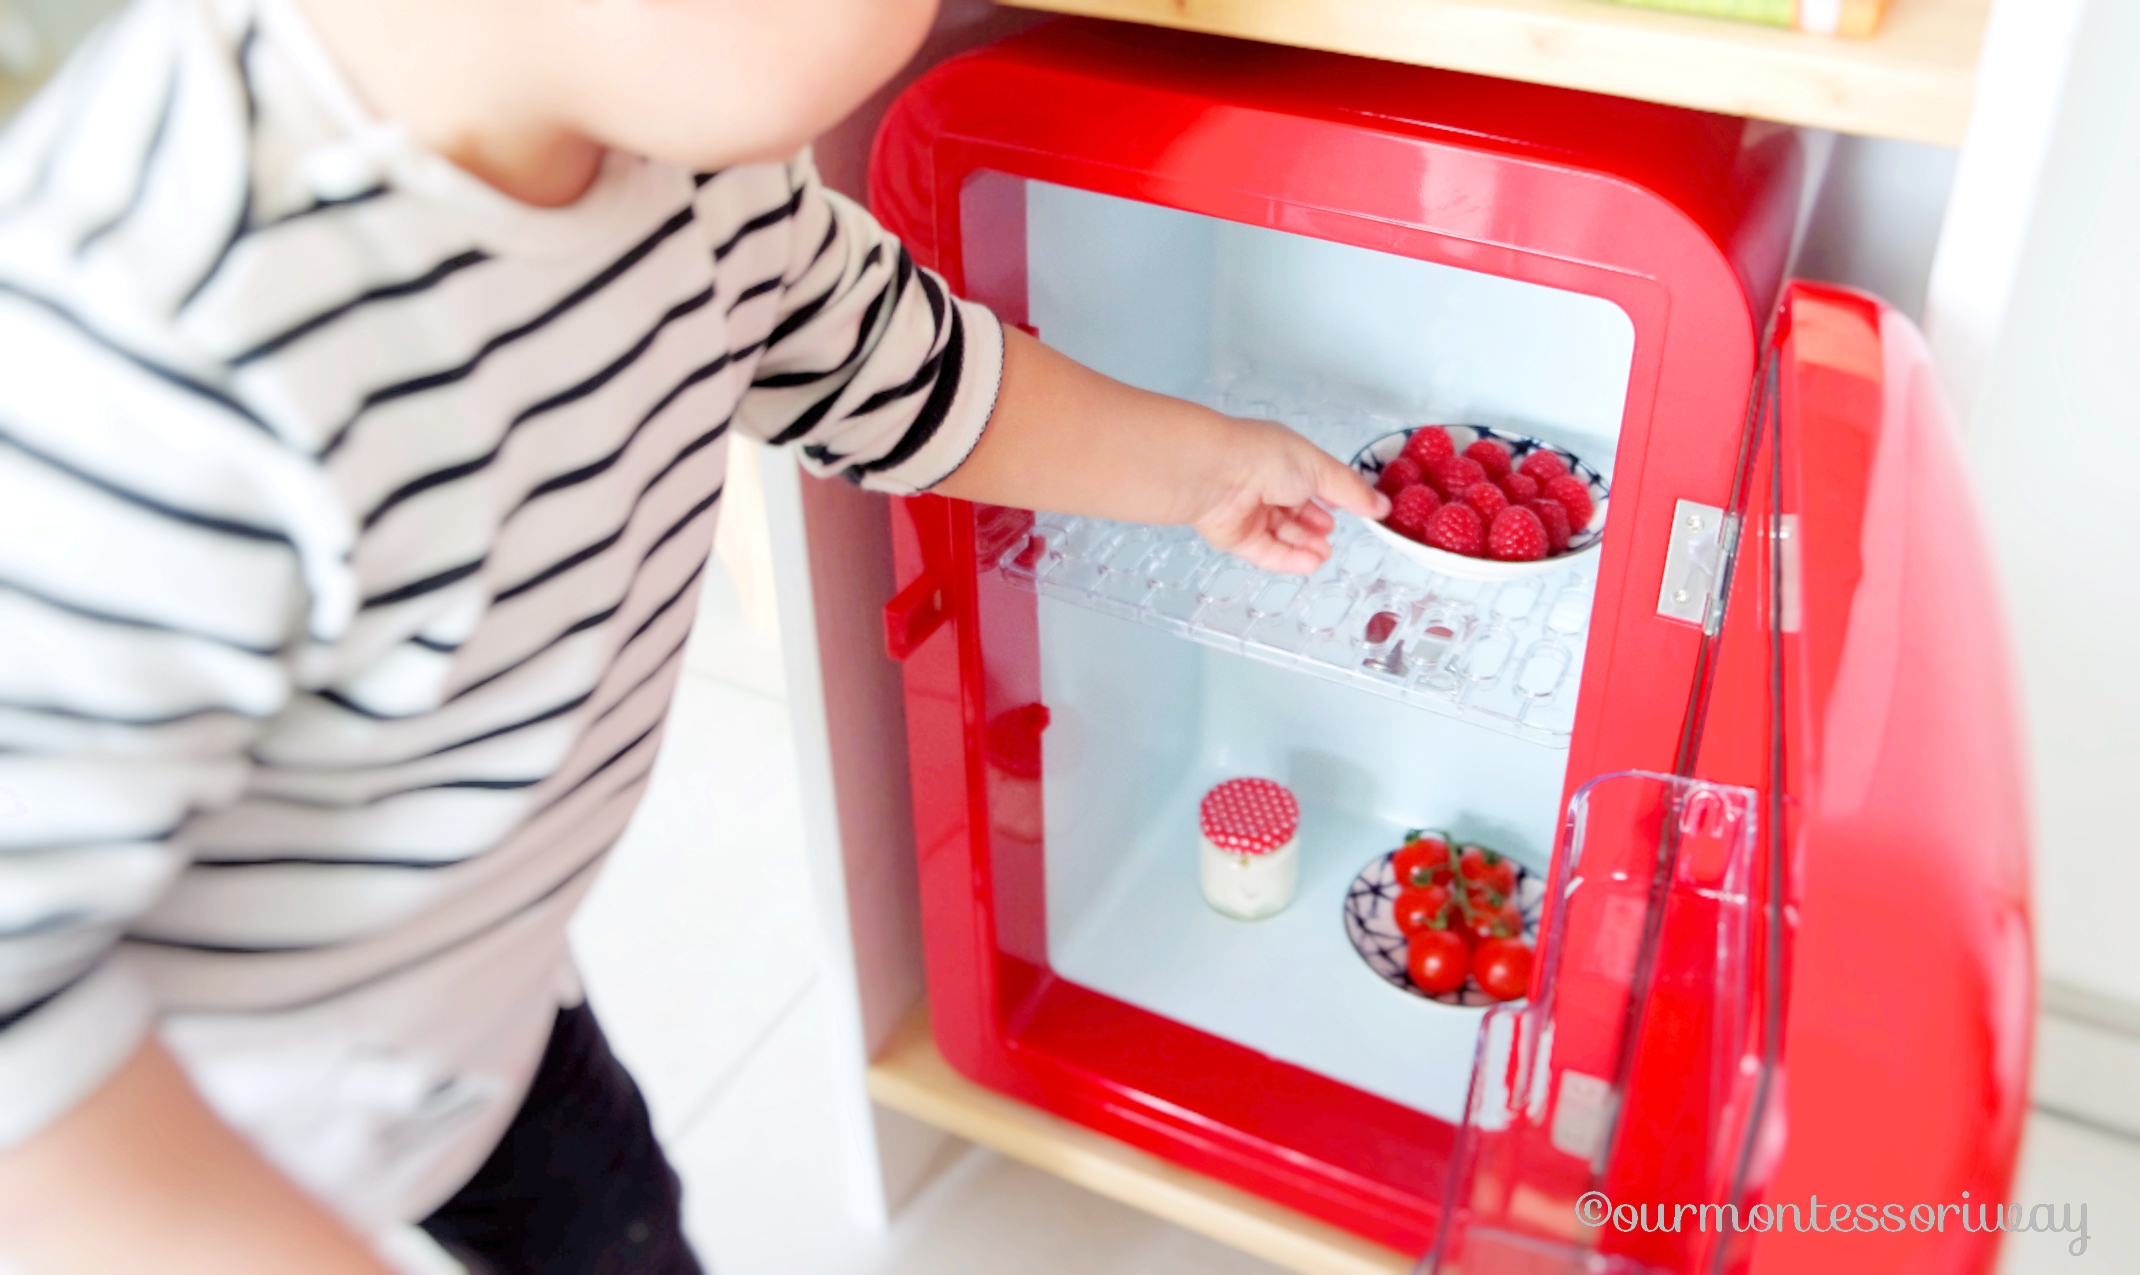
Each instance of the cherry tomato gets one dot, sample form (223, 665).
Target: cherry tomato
(1503, 968)
(1482, 898)
(1423, 861)
(1483, 923)
(1487, 868)
(1504, 875)
(1437, 960)
(1415, 910)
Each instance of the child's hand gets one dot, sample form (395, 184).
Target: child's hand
(1064, 437)
(1270, 511)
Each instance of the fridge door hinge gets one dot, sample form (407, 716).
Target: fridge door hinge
(1694, 564)
(913, 615)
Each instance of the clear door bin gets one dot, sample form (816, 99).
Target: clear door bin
(1575, 1154)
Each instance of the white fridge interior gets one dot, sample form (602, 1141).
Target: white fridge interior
(1167, 668)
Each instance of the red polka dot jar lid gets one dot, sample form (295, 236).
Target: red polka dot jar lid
(1249, 816)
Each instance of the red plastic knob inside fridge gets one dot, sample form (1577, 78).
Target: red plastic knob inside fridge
(1249, 816)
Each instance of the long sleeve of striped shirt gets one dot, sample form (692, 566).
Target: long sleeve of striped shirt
(351, 522)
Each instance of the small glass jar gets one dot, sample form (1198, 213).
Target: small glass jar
(1249, 857)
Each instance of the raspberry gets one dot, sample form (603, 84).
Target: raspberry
(1456, 474)
(1492, 456)
(1517, 536)
(1521, 489)
(1399, 474)
(1555, 516)
(1575, 494)
(1543, 466)
(1429, 445)
(1411, 510)
(1487, 499)
(1459, 529)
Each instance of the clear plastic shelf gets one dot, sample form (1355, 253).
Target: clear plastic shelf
(1506, 655)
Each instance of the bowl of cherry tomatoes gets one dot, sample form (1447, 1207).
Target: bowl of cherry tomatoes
(1446, 920)
(1484, 503)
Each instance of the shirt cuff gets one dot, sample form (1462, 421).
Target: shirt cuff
(61, 1052)
(980, 378)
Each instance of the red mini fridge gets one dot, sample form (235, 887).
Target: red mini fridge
(1757, 752)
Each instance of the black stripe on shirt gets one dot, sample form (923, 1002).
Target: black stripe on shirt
(606, 763)
(192, 518)
(552, 713)
(426, 957)
(772, 217)
(244, 219)
(384, 292)
(330, 861)
(429, 584)
(447, 376)
(605, 543)
(864, 330)
(933, 412)
(602, 464)
(325, 203)
(10, 1017)
(757, 289)
(626, 695)
(661, 610)
(71, 713)
(381, 798)
(87, 612)
(173, 376)
(141, 170)
(566, 563)
(563, 398)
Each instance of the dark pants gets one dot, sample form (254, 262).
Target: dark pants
(578, 1185)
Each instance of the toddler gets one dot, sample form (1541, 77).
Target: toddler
(367, 373)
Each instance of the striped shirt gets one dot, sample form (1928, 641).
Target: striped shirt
(351, 518)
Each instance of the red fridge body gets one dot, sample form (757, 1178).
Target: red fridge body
(1759, 747)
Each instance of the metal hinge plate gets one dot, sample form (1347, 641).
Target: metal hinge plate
(1692, 563)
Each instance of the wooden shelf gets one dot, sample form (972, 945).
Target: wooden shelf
(1912, 80)
(912, 1077)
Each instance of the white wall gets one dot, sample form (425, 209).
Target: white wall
(2055, 433)
(1877, 220)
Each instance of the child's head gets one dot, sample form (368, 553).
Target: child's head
(705, 83)
(700, 83)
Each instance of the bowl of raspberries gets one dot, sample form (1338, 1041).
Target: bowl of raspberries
(1470, 500)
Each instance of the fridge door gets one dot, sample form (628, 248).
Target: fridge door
(1618, 1119)
(1832, 891)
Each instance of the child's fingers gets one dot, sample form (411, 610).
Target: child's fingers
(1294, 533)
(1312, 516)
(1339, 484)
(1296, 528)
(1272, 555)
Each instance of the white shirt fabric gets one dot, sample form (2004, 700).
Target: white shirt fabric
(351, 521)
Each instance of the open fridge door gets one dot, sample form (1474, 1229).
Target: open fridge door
(1628, 1116)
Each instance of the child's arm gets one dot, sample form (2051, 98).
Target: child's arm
(1064, 437)
(875, 373)
(141, 1176)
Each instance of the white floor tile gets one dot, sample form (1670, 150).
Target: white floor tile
(699, 931)
(2067, 1163)
(762, 1196)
